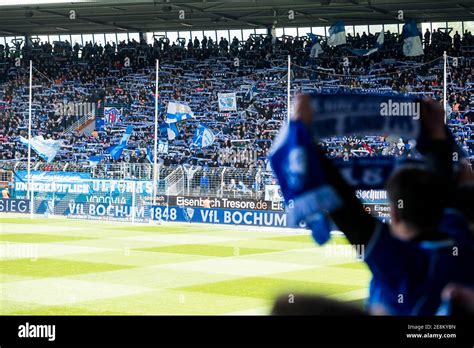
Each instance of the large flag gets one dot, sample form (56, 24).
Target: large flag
(411, 39)
(316, 48)
(363, 52)
(337, 34)
(203, 136)
(112, 114)
(227, 101)
(170, 130)
(116, 151)
(45, 148)
(178, 112)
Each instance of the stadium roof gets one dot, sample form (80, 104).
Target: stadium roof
(18, 17)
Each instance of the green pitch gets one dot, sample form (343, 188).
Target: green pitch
(75, 267)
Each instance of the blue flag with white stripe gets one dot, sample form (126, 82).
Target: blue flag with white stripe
(368, 52)
(203, 136)
(337, 34)
(412, 46)
(116, 151)
(178, 112)
(170, 130)
(316, 47)
(95, 160)
(47, 149)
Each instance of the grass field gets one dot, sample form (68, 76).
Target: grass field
(74, 267)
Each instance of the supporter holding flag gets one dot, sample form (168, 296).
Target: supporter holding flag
(178, 112)
(116, 151)
(170, 130)
(47, 149)
(378, 44)
(316, 48)
(412, 46)
(337, 34)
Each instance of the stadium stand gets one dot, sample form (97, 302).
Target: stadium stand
(194, 73)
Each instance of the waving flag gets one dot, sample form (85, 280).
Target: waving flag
(337, 34)
(45, 148)
(378, 44)
(116, 151)
(251, 92)
(316, 48)
(178, 112)
(412, 42)
(170, 130)
(94, 160)
(203, 136)
(149, 154)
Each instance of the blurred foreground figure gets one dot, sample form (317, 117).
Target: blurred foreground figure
(427, 244)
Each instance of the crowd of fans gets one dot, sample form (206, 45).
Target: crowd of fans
(194, 72)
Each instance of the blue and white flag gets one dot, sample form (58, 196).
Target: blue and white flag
(337, 34)
(116, 151)
(178, 112)
(368, 52)
(203, 136)
(95, 160)
(316, 47)
(112, 114)
(47, 149)
(227, 101)
(251, 92)
(170, 130)
(149, 154)
(412, 46)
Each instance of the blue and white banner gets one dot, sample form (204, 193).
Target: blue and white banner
(178, 112)
(412, 46)
(112, 114)
(220, 216)
(337, 34)
(365, 114)
(14, 206)
(116, 151)
(45, 148)
(227, 101)
(163, 146)
(203, 136)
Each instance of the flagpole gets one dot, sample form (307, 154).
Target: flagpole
(288, 88)
(155, 149)
(445, 89)
(29, 128)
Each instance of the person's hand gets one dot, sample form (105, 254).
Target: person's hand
(432, 119)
